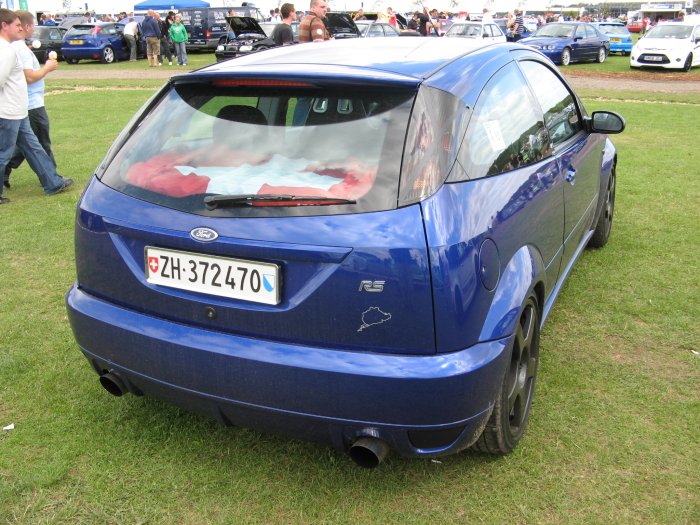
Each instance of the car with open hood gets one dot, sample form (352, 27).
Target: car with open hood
(344, 242)
(566, 42)
(670, 45)
(206, 25)
(244, 35)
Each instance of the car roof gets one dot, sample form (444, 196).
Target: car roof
(414, 58)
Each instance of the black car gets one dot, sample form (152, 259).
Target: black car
(244, 36)
(50, 38)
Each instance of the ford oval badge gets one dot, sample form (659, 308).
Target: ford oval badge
(203, 234)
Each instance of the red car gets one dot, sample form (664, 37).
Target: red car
(635, 26)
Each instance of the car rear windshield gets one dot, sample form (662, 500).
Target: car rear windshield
(82, 30)
(614, 29)
(262, 150)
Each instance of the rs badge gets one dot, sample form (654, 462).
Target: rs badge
(371, 286)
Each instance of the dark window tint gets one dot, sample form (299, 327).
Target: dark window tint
(506, 132)
(560, 111)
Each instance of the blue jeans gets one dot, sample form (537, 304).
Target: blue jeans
(181, 51)
(39, 121)
(19, 132)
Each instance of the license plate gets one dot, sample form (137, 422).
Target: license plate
(234, 278)
(615, 40)
(653, 58)
(76, 42)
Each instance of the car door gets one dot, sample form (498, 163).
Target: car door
(114, 36)
(587, 43)
(578, 153)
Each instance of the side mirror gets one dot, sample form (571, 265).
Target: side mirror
(605, 122)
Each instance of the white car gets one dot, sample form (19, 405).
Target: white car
(490, 32)
(670, 45)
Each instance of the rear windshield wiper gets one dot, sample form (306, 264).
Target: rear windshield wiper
(224, 201)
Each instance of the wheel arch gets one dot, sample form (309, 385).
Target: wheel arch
(524, 273)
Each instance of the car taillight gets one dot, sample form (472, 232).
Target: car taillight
(208, 34)
(435, 131)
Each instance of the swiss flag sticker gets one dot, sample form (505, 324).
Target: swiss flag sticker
(153, 264)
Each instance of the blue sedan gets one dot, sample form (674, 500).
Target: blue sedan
(102, 41)
(619, 35)
(566, 42)
(344, 242)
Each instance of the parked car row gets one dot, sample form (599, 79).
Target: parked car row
(672, 45)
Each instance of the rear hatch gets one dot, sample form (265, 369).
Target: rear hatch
(268, 209)
(82, 35)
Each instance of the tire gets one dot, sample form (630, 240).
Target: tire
(107, 56)
(602, 55)
(688, 63)
(508, 420)
(601, 234)
(72, 60)
(566, 57)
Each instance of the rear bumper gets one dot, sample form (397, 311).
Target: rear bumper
(420, 405)
(82, 53)
(621, 47)
(202, 45)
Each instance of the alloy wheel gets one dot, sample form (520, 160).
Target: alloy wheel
(523, 368)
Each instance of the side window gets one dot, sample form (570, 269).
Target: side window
(581, 32)
(590, 32)
(557, 103)
(375, 31)
(55, 34)
(505, 132)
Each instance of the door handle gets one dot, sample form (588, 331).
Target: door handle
(571, 176)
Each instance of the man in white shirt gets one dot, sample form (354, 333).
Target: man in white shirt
(131, 34)
(14, 120)
(34, 74)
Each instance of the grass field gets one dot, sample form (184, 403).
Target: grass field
(614, 435)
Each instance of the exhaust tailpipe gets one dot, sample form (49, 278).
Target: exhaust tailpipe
(113, 384)
(368, 452)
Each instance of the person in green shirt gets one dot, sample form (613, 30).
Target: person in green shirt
(179, 36)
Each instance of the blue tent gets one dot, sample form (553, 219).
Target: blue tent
(167, 5)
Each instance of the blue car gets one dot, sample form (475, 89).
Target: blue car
(102, 41)
(344, 243)
(566, 42)
(619, 35)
